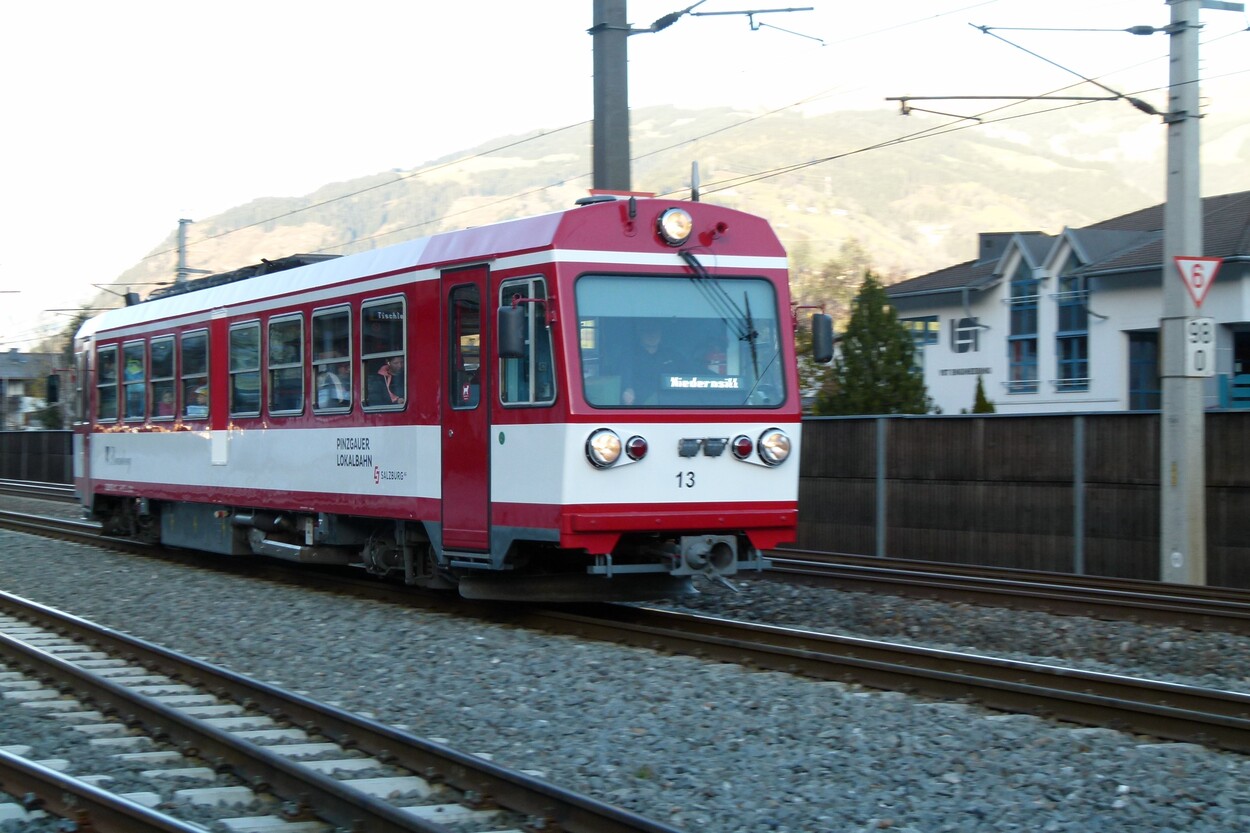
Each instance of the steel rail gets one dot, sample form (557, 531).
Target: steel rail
(61, 492)
(88, 807)
(564, 809)
(1162, 709)
(1166, 710)
(1011, 573)
(86, 531)
(1197, 608)
(262, 769)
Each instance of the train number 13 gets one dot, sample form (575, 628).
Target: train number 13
(685, 480)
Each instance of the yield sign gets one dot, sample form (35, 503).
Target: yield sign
(1198, 273)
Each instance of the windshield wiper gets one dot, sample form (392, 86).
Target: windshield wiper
(750, 337)
(742, 322)
(718, 297)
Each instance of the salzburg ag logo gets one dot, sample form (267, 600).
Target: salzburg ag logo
(384, 474)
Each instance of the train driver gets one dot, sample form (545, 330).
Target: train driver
(647, 367)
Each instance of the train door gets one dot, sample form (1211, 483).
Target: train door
(466, 449)
(82, 422)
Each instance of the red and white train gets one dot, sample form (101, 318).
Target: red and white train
(595, 403)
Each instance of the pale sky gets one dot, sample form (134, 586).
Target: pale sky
(121, 118)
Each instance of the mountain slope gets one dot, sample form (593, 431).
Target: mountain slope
(913, 204)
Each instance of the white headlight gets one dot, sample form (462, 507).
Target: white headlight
(675, 225)
(603, 448)
(774, 446)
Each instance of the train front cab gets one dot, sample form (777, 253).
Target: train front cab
(663, 468)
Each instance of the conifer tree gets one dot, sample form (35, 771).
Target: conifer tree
(874, 370)
(829, 288)
(980, 404)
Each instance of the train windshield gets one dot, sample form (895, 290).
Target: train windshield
(687, 342)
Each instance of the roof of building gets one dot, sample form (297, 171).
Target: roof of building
(15, 365)
(1129, 243)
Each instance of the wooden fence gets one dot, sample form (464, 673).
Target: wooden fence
(42, 456)
(1069, 493)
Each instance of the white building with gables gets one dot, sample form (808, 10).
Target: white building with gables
(1070, 322)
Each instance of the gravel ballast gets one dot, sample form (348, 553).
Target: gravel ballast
(698, 745)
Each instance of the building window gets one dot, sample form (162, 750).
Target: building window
(1022, 354)
(924, 331)
(1073, 355)
(1022, 340)
(1072, 335)
(1144, 390)
(965, 335)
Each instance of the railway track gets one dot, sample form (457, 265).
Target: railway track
(61, 492)
(1173, 711)
(1167, 710)
(1195, 607)
(300, 761)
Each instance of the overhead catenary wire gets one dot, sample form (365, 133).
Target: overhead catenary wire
(744, 179)
(1136, 102)
(938, 130)
(850, 38)
(709, 188)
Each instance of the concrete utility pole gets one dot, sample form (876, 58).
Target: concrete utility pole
(184, 271)
(181, 275)
(611, 33)
(1182, 517)
(611, 130)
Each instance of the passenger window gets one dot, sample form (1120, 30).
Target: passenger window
(383, 355)
(286, 365)
(135, 376)
(331, 343)
(164, 405)
(106, 383)
(80, 384)
(195, 375)
(245, 369)
(466, 347)
(529, 380)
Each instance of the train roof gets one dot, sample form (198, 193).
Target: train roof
(479, 244)
(528, 233)
(265, 267)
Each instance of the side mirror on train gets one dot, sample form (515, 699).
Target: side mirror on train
(54, 389)
(511, 333)
(822, 338)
